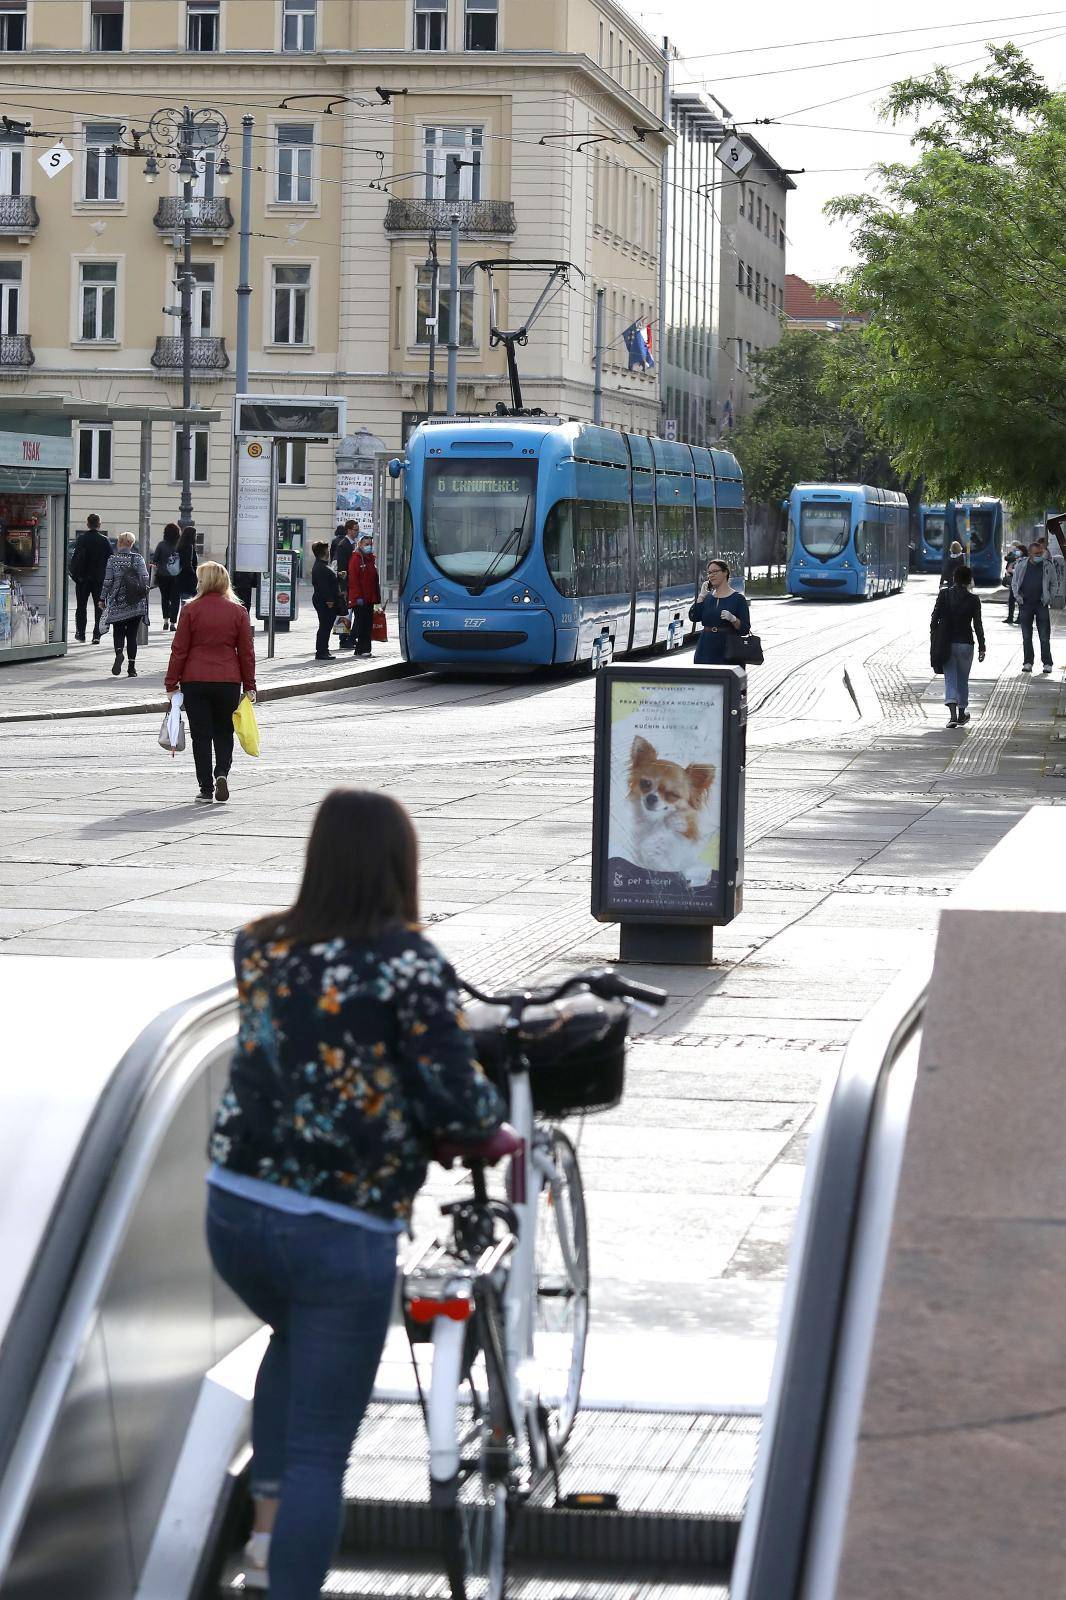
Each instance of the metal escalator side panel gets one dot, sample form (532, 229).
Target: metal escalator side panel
(773, 1547)
(121, 1328)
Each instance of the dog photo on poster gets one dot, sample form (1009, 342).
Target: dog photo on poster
(665, 798)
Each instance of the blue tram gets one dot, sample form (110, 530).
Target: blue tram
(929, 555)
(846, 540)
(977, 523)
(530, 541)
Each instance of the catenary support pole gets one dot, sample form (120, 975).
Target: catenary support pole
(453, 318)
(434, 308)
(597, 392)
(144, 504)
(244, 305)
(272, 601)
(184, 438)
(664, 181)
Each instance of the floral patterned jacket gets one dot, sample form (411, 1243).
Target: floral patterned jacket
(352, 1057)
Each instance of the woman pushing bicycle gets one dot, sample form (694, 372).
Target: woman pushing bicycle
(352, 1060)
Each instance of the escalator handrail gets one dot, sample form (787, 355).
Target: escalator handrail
(773, 1542)
(33, 1323)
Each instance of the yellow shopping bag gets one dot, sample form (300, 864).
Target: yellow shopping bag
(246, 728)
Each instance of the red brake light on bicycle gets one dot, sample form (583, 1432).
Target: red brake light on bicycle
(423, 1311)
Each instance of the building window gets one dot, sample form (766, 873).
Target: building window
(99, 293)
(292, 463)
(11, 158)
(751, 205)
(748, 281)
(453, 163)
(199, 455)
(298, 25)
(106, 24)
(599, 46)
(202, 27)
(296, 142)
(13, 26)
(610, 52)
(758, 288)
(292, 304)
(482, 24)
(431, 24)
(444, 306)
(740, 275)
(758, 213)
(101, 164)
(205, 138)
(94, 454)
(203, 298)
(10, 290)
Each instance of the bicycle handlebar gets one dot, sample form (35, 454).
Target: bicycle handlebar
(600, 981)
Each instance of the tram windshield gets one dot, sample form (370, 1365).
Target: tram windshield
(479, 518)
(980, 529)
(934, 530)
(825, 530)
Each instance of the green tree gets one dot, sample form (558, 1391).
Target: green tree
(962, 273)
(803, 429)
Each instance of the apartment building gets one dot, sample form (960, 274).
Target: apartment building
(754, 243)
(539, 126)
(693, 260)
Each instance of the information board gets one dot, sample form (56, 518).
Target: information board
(254, 460)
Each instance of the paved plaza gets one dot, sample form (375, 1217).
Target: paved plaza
(863, 811)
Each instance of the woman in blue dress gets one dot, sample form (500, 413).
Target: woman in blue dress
(721, 611)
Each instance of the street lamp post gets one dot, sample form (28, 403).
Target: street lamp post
(181, 138)
(434, 297)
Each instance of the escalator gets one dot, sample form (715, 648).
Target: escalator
(126, 1368)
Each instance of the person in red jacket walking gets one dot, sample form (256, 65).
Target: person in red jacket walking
(211, 657)
(364, 592)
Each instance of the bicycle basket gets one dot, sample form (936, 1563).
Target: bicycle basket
(576, 1049)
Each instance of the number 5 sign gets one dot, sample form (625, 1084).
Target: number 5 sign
(54, 161)
(734, 154)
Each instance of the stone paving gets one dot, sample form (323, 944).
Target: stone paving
(863, 812)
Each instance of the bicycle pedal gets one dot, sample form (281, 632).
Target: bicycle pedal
(583, 1500)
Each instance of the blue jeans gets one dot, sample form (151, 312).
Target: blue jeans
(1041, 615)
(957, 676)
(325, 1288)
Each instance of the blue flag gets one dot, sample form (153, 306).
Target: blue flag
(638, 342)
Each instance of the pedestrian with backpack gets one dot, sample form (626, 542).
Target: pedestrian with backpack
(124, 598)
(166, 565)
(185, 578)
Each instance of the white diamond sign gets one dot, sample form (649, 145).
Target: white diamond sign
(734, 154)
(54, 161)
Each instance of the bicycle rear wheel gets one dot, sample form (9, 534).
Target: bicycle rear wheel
(561, 1290)
(475, 1537)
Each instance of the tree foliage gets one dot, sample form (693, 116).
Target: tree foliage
(802, 430)
(962, 273)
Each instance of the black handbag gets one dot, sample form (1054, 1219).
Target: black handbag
(743, 650)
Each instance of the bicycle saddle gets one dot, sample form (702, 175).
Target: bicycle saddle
(504, 1142)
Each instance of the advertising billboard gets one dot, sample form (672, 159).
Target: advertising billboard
(668, 815)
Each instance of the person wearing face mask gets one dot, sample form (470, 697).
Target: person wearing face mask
(1031, 583)
(364, 592)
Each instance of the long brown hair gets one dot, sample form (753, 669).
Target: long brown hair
(360, 873)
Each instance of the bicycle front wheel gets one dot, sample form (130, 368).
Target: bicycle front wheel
(561, 1294)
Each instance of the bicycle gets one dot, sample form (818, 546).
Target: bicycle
(503, 1294)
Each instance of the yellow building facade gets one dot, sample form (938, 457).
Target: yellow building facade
(539, 124)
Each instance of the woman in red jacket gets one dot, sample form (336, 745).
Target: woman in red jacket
(364, 592)
(211, 657)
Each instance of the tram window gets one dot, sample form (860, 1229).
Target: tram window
(865, 542)
(934, 531)
(644, 530)
(676, 552)
(559, 547)
(705, 525)
(980, 529)
(824, 529)
(407, 544)
(479, 518)
(731, 535)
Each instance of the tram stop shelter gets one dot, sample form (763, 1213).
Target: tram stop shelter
(36, 460)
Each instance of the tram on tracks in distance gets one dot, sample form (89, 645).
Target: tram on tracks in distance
(847, 540)
(532, 541)
(929, 547)
(977, 523)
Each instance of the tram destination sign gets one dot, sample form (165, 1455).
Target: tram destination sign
(291, 416)
(449, 483)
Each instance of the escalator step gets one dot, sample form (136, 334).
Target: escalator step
(407, 1581)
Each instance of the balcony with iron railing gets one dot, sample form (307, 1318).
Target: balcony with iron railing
(18, 216)
(475, 216)
(208, 351)
(211, 216)
(16, 354)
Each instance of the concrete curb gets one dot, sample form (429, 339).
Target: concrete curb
(278, 691)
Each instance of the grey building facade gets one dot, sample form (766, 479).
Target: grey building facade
(753, 249)
(693, 253)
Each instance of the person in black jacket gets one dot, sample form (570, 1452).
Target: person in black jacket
(326, 598)
(88, 563)
(185, 582)
(954, 558)
(958, 610)
(166, 565)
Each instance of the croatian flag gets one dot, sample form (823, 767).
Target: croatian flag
(638, 342)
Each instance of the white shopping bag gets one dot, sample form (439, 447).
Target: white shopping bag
(172, 732)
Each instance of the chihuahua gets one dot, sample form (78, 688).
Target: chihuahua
(667, 801)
